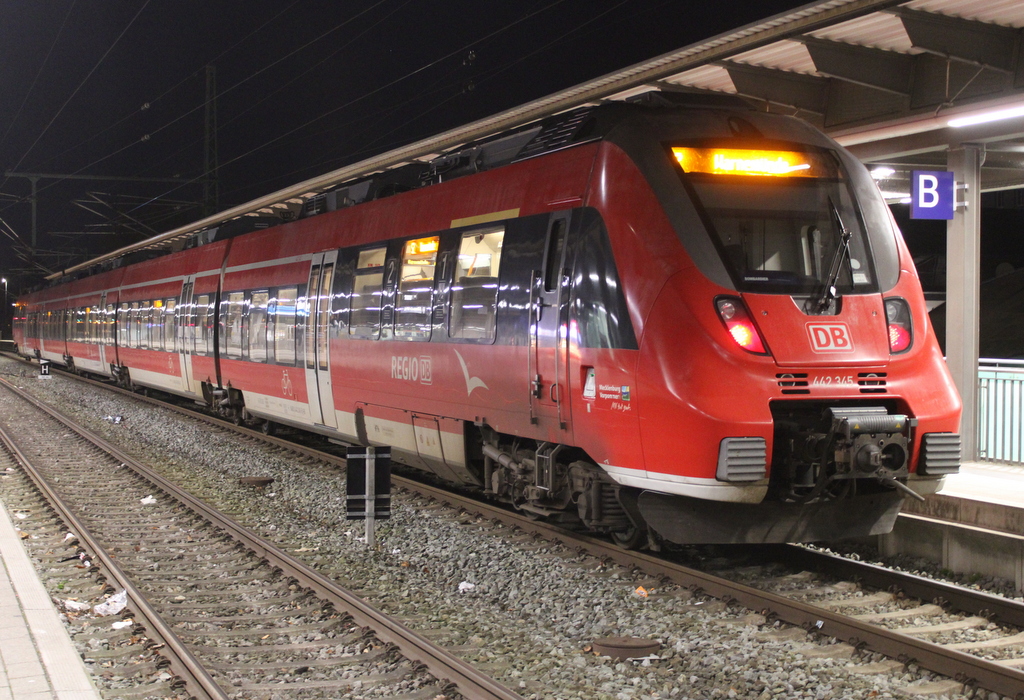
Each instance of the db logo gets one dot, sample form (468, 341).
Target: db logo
(829, 337)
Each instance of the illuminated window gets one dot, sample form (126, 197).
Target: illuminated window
(474, 291)
(416, 289)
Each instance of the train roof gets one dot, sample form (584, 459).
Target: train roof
(565, 130)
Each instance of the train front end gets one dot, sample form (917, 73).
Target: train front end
(791, 386)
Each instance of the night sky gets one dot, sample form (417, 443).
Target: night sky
(116, 88)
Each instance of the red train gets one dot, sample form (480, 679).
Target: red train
(673, 319)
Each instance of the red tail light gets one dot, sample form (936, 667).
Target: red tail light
(737, 321)
(901, 330)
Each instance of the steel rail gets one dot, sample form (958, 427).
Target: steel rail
(971, 670)
(182, 662)
(471, 683)
(996, 608)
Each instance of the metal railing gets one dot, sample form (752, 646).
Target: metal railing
(1001, 410)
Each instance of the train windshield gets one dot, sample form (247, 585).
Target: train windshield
(777, 217)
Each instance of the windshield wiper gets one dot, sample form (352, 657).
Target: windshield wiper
(828, 291)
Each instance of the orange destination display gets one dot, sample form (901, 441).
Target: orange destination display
(742, 161)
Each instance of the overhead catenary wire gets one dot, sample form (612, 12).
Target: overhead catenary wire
(80, 85)
(283, 85)
(148, 136)
(152, 101)
(371, 146)
(370, 93)
(42, 66)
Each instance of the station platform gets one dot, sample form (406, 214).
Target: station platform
(974, 525)
(37, 658)
(983, 494)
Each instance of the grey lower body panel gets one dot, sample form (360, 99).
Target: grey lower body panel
(696, 521)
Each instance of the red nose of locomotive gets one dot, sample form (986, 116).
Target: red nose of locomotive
(814, 384)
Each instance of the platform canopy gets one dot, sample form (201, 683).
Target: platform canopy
(883, 77)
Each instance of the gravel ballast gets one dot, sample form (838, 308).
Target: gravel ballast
(525, 611)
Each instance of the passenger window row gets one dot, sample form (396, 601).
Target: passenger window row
(283, 325)
(270, 324)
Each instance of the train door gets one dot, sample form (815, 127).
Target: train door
(318, 328)
(549, 302)
(186, 330)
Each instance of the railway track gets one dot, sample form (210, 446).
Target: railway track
(973, 639)
(231, 614)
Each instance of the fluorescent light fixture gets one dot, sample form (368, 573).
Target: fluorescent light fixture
(985, 117)
(882, 173)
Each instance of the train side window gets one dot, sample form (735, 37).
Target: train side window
(122, 325)
(204, 331)
(170, 325)
(284, 325)
(367, 287)
(142, 324)
(108, 325)
(232, 343)
(258, 326)
(156, 325)
(136, 327)
(78, 325)
(91, 336)
(147, 324)
(416, 289)
(474, 291)
(553, 255)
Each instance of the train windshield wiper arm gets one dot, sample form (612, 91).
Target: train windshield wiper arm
(828, 292)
